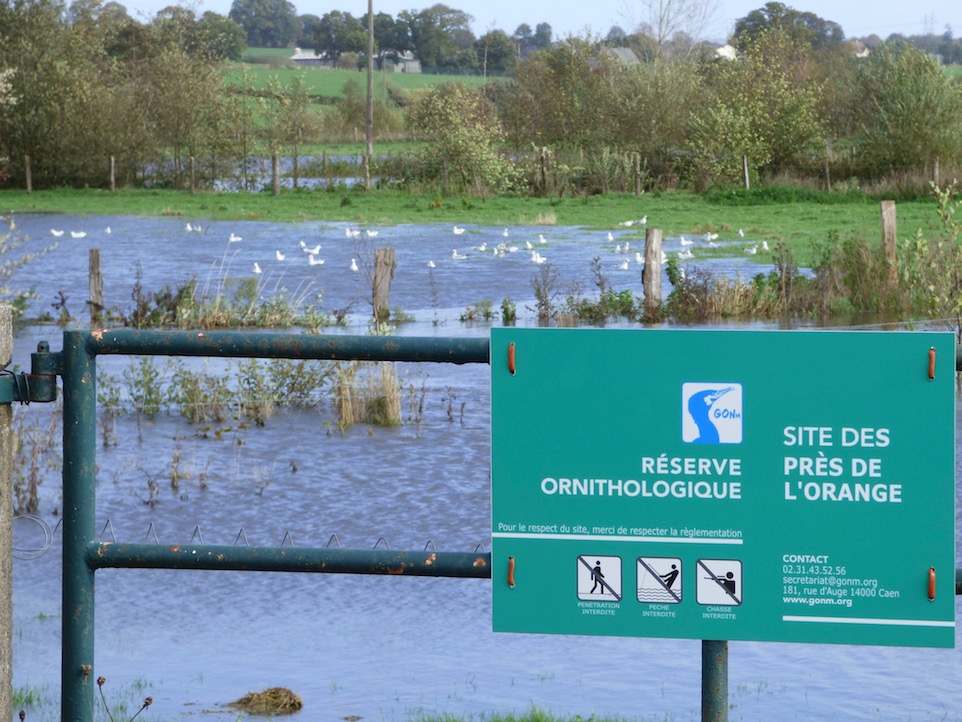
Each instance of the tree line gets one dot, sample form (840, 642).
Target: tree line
(80, 84)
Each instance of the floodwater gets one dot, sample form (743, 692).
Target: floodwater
(374, 648)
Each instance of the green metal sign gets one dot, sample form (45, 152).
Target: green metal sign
(761, 485)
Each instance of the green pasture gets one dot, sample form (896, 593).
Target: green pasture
(329, 83)
(801, 225)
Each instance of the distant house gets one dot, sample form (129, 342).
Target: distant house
(406, 62)
(309, 59)
(726, 52)
(624, 56)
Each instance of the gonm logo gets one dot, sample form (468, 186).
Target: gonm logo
(711, 413)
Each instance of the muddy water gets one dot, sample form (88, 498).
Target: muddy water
(379, 648)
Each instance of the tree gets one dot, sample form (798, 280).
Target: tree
(391, 38)
(306, 27)
(766, 109)
(666, 18)
(268, 23)
(909, 110)
(802, 27)
(564, 96)
(495, 50)
(461, 129)
(523, 36)
(542, 36)
(337, 33)
(616, 37)
(439, 34)
(223, 38)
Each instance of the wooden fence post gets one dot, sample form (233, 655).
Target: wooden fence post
(113, 174)
(828, 160)
(636, 169)
(96, 301)
(192, 180)
(745, 172)
(651, 276)
(935, 170)
(889, 240)
(544, 170)
(28, 171)
(276, 173)
(385, 262)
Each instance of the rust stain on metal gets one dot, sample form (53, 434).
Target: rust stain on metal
(200, 334)
(175, 549)
(98, 334)
(431, 559)
(479, 562)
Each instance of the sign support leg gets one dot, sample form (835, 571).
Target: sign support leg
(714, 681)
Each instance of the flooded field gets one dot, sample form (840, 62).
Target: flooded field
(359, 647)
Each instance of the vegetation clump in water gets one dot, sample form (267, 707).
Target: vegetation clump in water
(270, 702)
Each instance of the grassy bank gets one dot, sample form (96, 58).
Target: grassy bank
(799, 221)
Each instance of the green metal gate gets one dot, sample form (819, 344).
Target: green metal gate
(83, 555)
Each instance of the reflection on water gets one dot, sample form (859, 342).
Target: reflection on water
(380, 648)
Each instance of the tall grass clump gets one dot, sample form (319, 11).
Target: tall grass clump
(225, 302)
(367, 393)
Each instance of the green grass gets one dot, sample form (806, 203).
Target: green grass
(328, 83)
(800, 225)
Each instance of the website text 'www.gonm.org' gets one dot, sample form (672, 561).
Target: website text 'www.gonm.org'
(813, 601)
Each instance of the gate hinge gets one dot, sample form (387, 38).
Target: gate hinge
(39, 385)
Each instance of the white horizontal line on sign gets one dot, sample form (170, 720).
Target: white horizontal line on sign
(859, 620)
(602, 537)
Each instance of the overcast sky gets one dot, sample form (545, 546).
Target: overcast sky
(858, 18)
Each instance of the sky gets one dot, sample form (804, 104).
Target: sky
(858, 18)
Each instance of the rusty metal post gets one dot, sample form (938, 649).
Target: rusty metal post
(714, 681)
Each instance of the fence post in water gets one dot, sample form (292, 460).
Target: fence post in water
(276, 173)
(28, 172)
(714, 681)
(889, 240)
(384, 264)
(651, 275)
(6, 526)
(96, 301)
